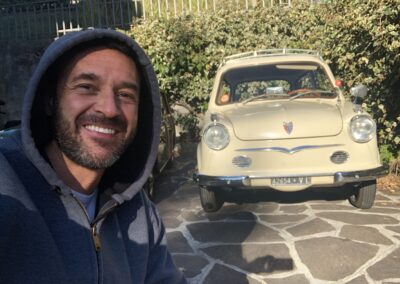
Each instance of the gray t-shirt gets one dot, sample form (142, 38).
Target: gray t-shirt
(89, 201)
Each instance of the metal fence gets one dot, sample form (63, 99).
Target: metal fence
(51, 19)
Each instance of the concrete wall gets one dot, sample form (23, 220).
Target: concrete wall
(17, 63)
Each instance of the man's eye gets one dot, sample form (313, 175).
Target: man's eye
(128, 96)
(85, 87)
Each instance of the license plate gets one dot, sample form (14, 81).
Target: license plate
(291, 180)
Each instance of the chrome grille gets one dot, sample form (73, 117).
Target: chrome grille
(241, 161)
(339, 157)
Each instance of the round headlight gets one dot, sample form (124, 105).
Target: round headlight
(362, 128)
(216, 136)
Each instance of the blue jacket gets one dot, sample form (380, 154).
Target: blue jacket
(45, 234)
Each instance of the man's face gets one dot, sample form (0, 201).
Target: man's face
(97, 107)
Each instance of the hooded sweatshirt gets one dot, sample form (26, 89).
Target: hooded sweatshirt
(46, 235)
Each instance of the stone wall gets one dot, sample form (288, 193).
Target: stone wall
(18, 61)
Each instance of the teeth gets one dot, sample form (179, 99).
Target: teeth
(100, 129)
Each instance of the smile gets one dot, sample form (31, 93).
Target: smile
(100, 129)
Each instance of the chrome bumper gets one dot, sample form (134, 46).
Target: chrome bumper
(356, 176)
(339, 177)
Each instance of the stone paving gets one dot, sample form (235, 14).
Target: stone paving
(313, 236)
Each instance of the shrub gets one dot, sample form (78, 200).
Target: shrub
(359, 39)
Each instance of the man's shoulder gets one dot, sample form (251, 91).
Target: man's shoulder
(10, 141)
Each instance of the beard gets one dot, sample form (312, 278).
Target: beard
(74, 147)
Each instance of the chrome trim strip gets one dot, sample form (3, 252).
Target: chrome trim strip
(221, 180)
(339, 177)
(286, 150)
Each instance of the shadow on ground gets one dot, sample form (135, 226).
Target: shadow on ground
(267, 195)
(181, 170)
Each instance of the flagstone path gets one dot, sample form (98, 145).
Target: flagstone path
(314, 236)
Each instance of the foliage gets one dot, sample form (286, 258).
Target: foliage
(189, 125)
(359, 39)
(388, 154)
(367, 50)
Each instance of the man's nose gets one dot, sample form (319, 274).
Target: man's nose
(107, 104)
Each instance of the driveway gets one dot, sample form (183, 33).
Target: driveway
(313, 236)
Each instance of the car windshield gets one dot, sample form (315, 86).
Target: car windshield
(275, 82)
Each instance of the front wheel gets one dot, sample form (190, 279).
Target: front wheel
(364, 195)
(210, 200)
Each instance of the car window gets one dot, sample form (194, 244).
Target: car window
(225, 93)
(274, 81)
(315, 79)
(275, 88)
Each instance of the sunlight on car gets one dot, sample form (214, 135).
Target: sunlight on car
(277, 119)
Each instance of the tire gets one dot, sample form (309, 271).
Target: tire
(210, 201)
(364, 195)
(149, 187)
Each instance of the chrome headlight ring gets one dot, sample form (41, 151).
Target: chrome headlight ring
(362, 128)
(216, 136)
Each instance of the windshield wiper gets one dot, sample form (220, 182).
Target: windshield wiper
(309, 92)
(263, 96)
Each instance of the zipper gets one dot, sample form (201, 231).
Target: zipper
(102, 214)
(95, 236)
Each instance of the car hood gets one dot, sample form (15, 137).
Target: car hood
(285, 119)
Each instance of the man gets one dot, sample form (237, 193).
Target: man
(71, 205)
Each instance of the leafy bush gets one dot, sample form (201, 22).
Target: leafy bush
(189, 126)
(359, 39)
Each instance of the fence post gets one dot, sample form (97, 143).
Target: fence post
(167, 8)
(69, 16)
(106, 13)
(130, 17)
(159, 8)
(15, 21)
(120, 12)
(151, 8)
(113, 11)
(175, 12)
(34, 22)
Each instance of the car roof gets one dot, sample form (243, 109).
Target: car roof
(271, 56)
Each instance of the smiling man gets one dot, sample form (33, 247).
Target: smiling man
(71, 205)
(95, 115)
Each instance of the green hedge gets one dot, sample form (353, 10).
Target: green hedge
(359, 39)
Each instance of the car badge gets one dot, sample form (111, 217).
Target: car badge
(288, 126)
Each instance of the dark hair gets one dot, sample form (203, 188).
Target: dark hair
(59, 65)
(52, 75)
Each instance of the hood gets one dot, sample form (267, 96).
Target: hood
(285, 119)
(127, 176)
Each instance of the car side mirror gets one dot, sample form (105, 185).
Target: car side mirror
(358, 92)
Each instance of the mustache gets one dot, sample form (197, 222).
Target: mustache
(118, 122)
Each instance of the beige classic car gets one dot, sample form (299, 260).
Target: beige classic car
(277, 119)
